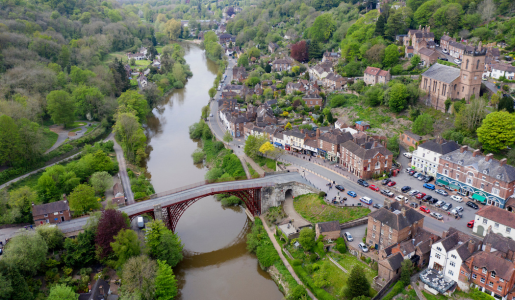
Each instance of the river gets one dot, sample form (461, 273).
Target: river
(216, 264)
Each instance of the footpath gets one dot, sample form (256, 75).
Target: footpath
(281, 255)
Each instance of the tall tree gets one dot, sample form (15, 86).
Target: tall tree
(173, 29)
(121, 80)
(62, 292)
(110, 223)
(469, 116)
(26, 251)
(166, 284)
(61, 107)
(101, 181)
(83, 199)
(323, 27)
(133, 101)
(138, 277)
(397, 97)
(12, 283)
(128, 130)
(391, 56)
(380, 25)
(10, 147)
(506, 103)
(126, 245)
(299, 51)
(80, 251)
(497, 131)
(423, 124)
(52, 235)
(307, 238)
(357, 284)
(163, 244)
(406, 270)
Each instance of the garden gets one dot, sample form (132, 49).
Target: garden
(314, 209)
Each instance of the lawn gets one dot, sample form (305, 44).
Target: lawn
(253, 172)
(90, 128)
(76, 129)
(76, 124)
(349, 261)
(262, 161)
(143, 62)
(49, 139)
(313, 208)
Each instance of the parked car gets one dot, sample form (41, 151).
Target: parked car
(425, 209)
(433, 201)
(340, 188)
(348, 236)
(462, 194)
(416, 175)
(352, 194)
(401, 198)
(366, 200)
(405, 189)
(445, 51)
(472, 204)
(427, 198)
(457, 61)
(436, 215)
(377, 205)
(443, 58)
(413, 192)
(362, 182)
(412, 172)
(385, 181)
(457, 198)
(470, 224)
(459, 208)
(413, 204)
(407, 154)
(363, 247)
(420, 195)
(447, 206)
(429, 186)
(429, 179)
(421, 177)
(387, 193)
(440, 203)
(392, 183)
(442, 192)
(455, 212)
(373, 187)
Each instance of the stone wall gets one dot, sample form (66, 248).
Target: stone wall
(275, 196)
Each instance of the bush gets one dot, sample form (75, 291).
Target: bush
(321, 194)
(297, 262)
(397, 288)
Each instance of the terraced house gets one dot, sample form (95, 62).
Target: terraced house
(365, 159)
(482, 177)
(427, 156)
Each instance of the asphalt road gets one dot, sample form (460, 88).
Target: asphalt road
(124, 176)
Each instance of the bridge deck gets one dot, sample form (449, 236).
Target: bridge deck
(195, 192)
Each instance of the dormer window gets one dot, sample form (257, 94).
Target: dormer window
(499, 176)
(438, 248)
(492, 274)
(484, 271)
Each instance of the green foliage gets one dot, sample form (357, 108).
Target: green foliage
(307, 238)
(397, 288)
(62, 292)
(163, 244)
(423, 125)
(391, 56)
(81, 250)
(26, 251)
(133, 102)
(406, 271)
(61, 107)
(166, 284)
(82, 199)
(398, 97)
(497, 131)
(52, 235)
(252, 145)
(323, 28)
(357, 284)
(340, 245)
(126, 245)
(506, 103)
(101, 181)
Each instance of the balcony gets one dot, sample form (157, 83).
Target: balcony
(436, 280)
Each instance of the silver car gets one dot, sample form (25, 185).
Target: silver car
(348, 236)
(363, 247)
(436, 215)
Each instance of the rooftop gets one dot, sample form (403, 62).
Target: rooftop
(394, 220)
(50, 208)
(436, 280)
(497, 215)
(442, 73)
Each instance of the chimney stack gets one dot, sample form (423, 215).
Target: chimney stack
(488, 247)
(414, 229)
(464, 148)
(403, 211)
(302, 130)
(387, 203)
(502, 162)
(489, 156)
(444, 234)
(318, 133)
(476, 152)
(471, 246)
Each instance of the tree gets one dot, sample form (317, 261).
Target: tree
(173, 29)
(423, 124)
(152, 94)
(323, 27)
(133, 101)
(391, 56)
(243, 61)
(26, 251)
(205, 111)
(129, 132)
(110, 223)
(80, 251)
(299, 51)
(12, 283)
(61, 107)
(82, 199)
(393, 145)
(314, 51)
(10, 144)
(506, 103)
(62, 292)
(138, 277)
(253, 144)
(288, 126)
(307, 238)
(212, 92)
(357, 284)
(101, 181)
(397, 97)
(375, 54)
(406, 271)
(497, 131)
(380, 25)
(496, 97)
(163, 244)
(52, 235)
(374, 96)
(166, 284)
(469, 116)
(415, 60)
(126, 245)
(227, 137)
(487, 10)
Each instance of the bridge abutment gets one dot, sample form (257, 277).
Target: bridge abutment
(276, 195)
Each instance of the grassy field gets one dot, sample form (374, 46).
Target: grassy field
(90, 128)
(313, 208)
(76, 124)
(49, 139)
(262, 161)
(253, 172)
(143, 63)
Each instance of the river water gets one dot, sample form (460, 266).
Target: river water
(216, 264)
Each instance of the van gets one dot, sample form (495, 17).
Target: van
(366, 200)
(429, 186)
(141, 224)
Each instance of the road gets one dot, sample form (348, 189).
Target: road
(124, 176)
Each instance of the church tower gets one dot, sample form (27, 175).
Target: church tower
(472, 68)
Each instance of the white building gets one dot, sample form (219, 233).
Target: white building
(501, 221)
(278, 140)
(427, 156)
(451, 251)
(499, 70)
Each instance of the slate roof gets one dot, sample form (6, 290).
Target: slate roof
(372, 70)
(492, 262)
(329, 226)
(312, 96)
(426, 51)
(363, 152)
(446, 38)
(278, 135)
(50, 208)
(95, 291)
(504, 67)
(281, 61)
(412, 135)
(311, 143)
(421, 34)
(492, 167)
(336, 138)
(457, 240)
(499, 242)
(440, 146)
(497, 215)
(294, 132)
(395, 261)
(396, 220)
(442, 73)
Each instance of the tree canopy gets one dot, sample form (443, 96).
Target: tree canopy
(497, 131)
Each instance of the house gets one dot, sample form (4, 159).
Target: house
(278, 139)
(52, 213)
(484, 178)
(272, 47)
(375, 75)
(332, 56)
(445, 40)
(334, 81)
(100, 291)
(409, 139)
(442, 82)
(362, 125)
(409, 52)
(236, 122)
(294, 140)
(321, 70)
(392, 224)
(417, 247)
(428, 56)
(390, 267)
(119, 197)
(365, 159)
(142, 80)
(427, 156)
(280, 65)
(294, 87)
(496, 220)
(329, 230)
(499, 70)
(419, 38)
(329, 143)
(136, 56)
(225, 39)
(313, 99)
(451, 251)
(311, 146)
(239, 73)
(457, 50)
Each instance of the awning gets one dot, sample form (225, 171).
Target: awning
(295, 147)
(278, 144)
(479, 198)
(442, 182)
(454, 187)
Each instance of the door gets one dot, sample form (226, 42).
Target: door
(62, 219)
(480, 230)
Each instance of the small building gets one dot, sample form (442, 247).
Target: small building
(51, 213)
(100, 291)
(313, 100)
(496, 220)
(288, 230)
(390, 268)
(329, 230)
(375, 75)
(428, 56)
(272, 47)
(362, 125)
(499, 70)
(409, 139)
(280, 65)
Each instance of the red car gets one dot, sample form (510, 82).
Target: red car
(374, 188)
(392, 183)
(425, 209)
(420, 195)
(470, 224)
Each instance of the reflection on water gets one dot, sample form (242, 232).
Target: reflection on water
(217, 264)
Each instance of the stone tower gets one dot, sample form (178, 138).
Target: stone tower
(472, 68)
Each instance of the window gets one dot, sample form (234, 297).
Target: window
(492, 274)
(453, 256)
(437, 256)
(495, 191)
(452, 264)
(467, 66)
(46, 215)
(482, 186)
(462, 272)
(508, 229)
(491, 283)
(499, 288)
(391, 229)
(438, 248)
(469, 180)
(501, 280)
(459, 168)
(434, 159)
(446, 165)
(474, 276)
(475, 268)
(445, 172)
(374, 227)
(484, 221)
(373, 235)
(483, 280)
(484, 270)
(457, 176)
(390, 236)
(477, 64)
(450, 273)
(496, 225)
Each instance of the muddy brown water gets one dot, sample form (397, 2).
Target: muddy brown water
(217, 264)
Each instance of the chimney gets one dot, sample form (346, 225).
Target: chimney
(471, 246)
(318, 133)
(502, 162)
(476, 152)
(431, 242)
(489, 156)
(464, 148)
(101, 290)
(302, 130)
(414, 229)
(488, 247)
(387, 203)
(444, 234)
(403, 211)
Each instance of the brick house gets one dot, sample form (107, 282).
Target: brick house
(52, 213)
(417, 247)
(332, 56)
(484, 178)
(329, 143)
(428, 56)
(362, 125)
(419, 38)
(280, 65)
(330, 230)
(236, 124)
(409, 139)
(366, 159)
(390, 267)
(313, 99)
(392, 224)
(445, 40)
(239, 73)
(375, 75)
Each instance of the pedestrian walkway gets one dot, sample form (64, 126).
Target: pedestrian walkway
(289, 209)
(281, 255)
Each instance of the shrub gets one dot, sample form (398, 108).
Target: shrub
(297, 262)
(341, 248)
(321, 194)
(397, 288)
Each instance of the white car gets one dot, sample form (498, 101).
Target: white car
(436, 215)
(401, 198)
(445, 51)
(457, 61)
(407, 154)
(457, 198)
(413, 192)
